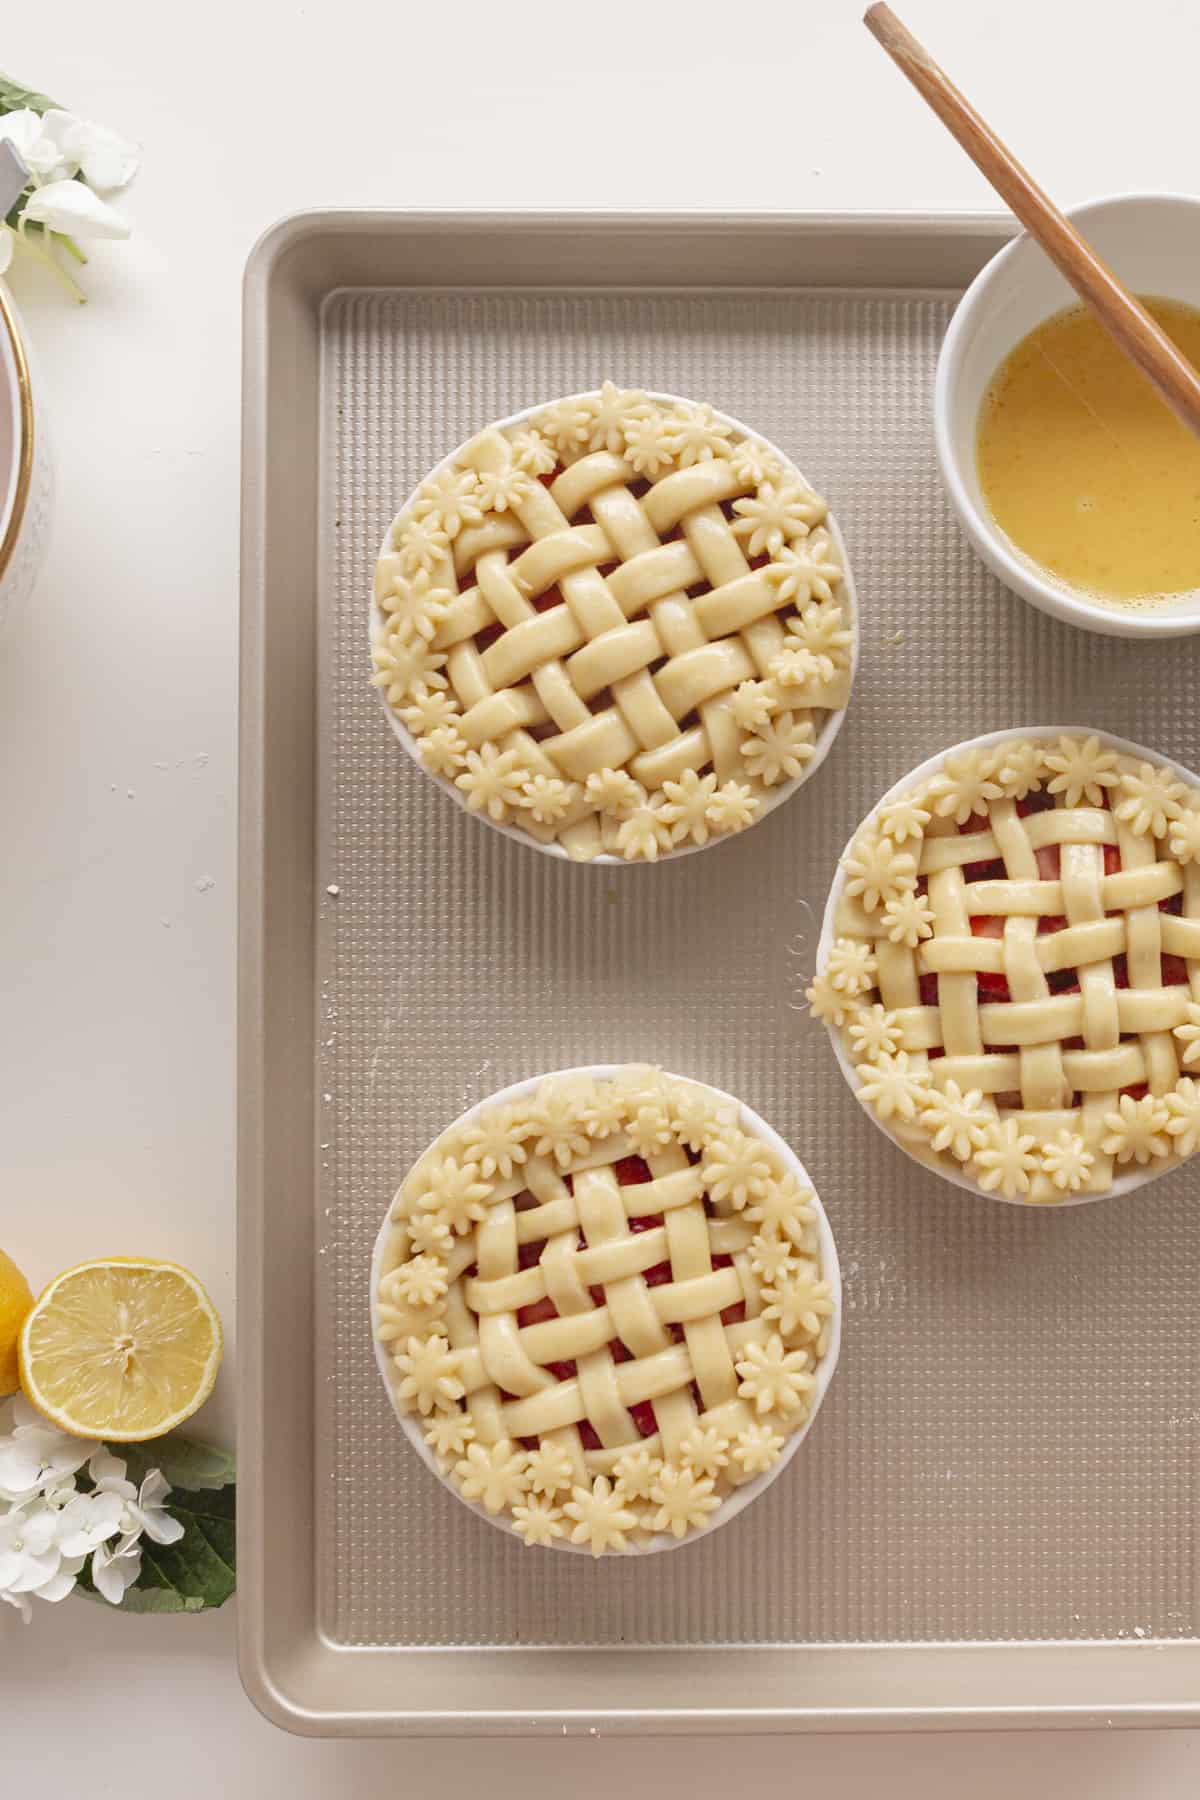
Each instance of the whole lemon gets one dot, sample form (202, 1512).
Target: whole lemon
(15, 1301)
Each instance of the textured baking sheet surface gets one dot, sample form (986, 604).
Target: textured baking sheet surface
(1009, 1448)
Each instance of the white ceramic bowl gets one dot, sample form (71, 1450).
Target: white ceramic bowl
(830, 1270)
(1152, 242)
(777, 795)
(1123, 1184)
(25, 468)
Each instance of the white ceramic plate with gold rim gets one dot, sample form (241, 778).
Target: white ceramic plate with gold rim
(825, 734)
(25, 469)
(937, 1164)
(736, 1502)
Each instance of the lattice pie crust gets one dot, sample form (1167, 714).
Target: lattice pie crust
(1015, 966)
(606, 1306)
(619, 625)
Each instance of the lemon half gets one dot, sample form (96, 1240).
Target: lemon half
(15, 1302)
(121, 1349)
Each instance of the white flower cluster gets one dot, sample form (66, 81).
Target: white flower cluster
(49, 1526)
(72, 166)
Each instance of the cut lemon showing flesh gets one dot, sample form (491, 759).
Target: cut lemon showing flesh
(121, 1349)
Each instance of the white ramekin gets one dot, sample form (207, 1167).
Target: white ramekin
(1123, 1184)
(26, 480)
(777, 795)
(1152, 241)
(830, 1270)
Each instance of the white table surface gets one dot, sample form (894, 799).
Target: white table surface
(117, 687)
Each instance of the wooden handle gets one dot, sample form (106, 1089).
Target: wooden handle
(1123, 316)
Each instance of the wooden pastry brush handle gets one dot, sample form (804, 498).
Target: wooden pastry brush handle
(1122, 315)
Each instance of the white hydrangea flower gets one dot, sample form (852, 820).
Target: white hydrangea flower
(33, 1454)
(116, 1566)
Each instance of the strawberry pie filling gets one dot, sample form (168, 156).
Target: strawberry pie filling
(993, 986)
(630, 1171)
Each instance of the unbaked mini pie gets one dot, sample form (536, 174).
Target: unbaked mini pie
(1010, 965)
(606, 1308)
(620, 626)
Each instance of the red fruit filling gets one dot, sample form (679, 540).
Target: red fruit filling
(631, 1170)
(985, 871)
(1041, 801)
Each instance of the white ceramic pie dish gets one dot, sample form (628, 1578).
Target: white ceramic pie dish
(742, 1496)
(1152, 241)
(775, 796)
(938, 1165)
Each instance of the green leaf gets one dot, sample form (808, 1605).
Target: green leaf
(160, 1600)
(199, 1571)
(183, 1463)
(13, 97)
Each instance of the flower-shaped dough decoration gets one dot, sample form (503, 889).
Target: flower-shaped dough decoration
(1009, 844)
(480, 1356)
(524, 586)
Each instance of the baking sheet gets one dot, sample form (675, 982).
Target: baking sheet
(1008, 1454)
